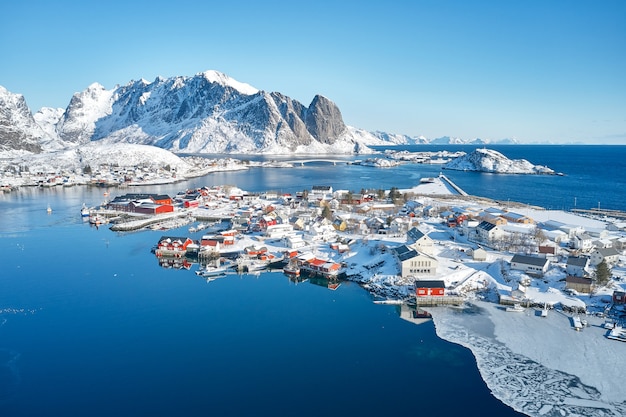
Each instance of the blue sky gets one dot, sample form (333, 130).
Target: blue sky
(534, 70)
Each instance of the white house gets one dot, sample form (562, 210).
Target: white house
(479, 254)
(577, 266)
(321, 192)
(413, 263)
(277, 231)
(609, 255)
(582, 242)
(419, 241)
(488, 232)
(294, 242)
(321, 231)
(531, 265)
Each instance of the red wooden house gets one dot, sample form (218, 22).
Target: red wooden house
(172, 246)
(148, 208)
(267, 221)
(426, 288)
(254, 251)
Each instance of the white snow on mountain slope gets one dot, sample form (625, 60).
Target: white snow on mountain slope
(47, 118)
(488, 160)
(79, 120)
(18, 128)
(95, 154)
(219, 78)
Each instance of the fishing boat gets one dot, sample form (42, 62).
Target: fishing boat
(292, 269)
(219, 267)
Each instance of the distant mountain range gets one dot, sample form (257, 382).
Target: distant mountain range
(207, 113)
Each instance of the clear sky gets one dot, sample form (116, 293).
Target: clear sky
(533, 70)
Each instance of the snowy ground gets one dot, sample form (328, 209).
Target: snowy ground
(541, 366)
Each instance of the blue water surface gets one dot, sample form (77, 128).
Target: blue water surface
(90, 324)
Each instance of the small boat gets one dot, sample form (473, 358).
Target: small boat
(516, 308)
(617, 333)
(218, 268)
(212, 272)
(49, 209)
(292, 268)
(576, 323)
(84, 211)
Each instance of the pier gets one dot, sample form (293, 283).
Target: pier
(618, 214)
(432, 301)
(147, 221)
(453, 185)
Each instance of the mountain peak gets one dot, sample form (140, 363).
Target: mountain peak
(217, 77)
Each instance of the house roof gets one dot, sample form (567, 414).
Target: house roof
(173, 239)
(529, 260)
(577, 261)
(486, 225)
(608, 252)
(404, 252)
(434, 283)
(415, 234)
(577, 280)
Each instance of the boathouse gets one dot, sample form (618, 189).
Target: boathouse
(172, 246)
(427, 288)
(579, 284)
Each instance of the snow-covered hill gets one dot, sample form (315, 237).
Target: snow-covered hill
(96, 155)
(488, 160)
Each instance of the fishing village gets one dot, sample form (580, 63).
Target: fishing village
(432, 245)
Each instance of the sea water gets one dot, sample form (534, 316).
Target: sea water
(90, 324)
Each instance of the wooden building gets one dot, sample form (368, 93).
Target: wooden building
(427, 288)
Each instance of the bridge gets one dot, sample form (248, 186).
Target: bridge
(306, 161)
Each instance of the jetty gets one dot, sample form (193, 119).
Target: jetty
(432, 301)
(453, 185)
(618, 214)
(137, 224)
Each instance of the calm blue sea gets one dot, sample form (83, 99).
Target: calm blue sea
(90, 324)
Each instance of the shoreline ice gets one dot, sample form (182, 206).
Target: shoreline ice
(540, 366)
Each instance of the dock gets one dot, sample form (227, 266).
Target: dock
(618, 214)
(453, 185)
(137, 224)
(432, 301)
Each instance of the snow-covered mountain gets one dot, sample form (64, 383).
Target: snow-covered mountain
(398, 139)
(18, 129)
(488, 160)
(447, 140)
(209, 112)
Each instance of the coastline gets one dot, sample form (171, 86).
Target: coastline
(539, 366)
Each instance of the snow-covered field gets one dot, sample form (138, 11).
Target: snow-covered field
(539, 365)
